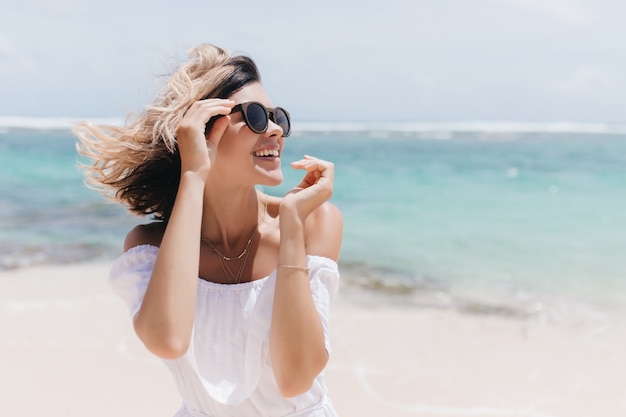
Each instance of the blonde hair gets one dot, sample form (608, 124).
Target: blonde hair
(138, 165)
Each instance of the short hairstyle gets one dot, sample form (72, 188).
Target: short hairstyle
(139, 165)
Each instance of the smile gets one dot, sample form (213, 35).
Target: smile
(267, 153)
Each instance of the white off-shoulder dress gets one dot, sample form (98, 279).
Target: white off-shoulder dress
(227, 371)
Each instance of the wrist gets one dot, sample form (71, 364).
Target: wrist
(192, 176)
(191, 180)
(289, 219)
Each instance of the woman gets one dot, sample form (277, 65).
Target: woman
(230, 286)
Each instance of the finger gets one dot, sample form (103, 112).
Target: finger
(210, 107)
(316, 176)
(308, 162)
(216, 100)
(217, 130)
(212, 114)
(215, 103)
(211, 111)
(314, 164)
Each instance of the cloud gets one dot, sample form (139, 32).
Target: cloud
(572, 12)
(586, 80)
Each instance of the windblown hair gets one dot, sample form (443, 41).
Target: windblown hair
(139, 165)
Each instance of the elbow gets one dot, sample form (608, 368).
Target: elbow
(294, 386)
(299, 378)
(169, 350)
(164, 344)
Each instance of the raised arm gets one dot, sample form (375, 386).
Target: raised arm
(308, 226)
(165, 319)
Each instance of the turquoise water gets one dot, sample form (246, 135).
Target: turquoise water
(530, 211)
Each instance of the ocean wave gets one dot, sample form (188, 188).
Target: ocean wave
(50, 123)
(443, 128)
(16, 256)
(438, 130)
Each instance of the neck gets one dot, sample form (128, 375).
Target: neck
(230, 216)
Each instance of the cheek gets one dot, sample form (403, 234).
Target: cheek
(231, 145)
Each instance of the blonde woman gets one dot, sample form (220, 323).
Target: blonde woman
(230, 286)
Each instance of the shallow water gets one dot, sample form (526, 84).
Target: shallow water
(530, 211)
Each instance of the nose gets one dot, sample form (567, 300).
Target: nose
(273, 129)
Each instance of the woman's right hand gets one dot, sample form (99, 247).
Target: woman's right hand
(197, 151)
(165, 320)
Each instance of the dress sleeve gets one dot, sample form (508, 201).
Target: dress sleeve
(131, 273)
(324, 277)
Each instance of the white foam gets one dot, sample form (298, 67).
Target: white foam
(443, 128)
(50, 123)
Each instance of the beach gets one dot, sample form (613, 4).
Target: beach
(68, 349)
(482, 275)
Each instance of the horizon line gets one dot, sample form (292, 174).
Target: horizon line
(472, 126)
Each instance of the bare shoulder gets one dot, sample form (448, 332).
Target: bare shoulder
(324, 231)
(145, 234)
(326, 213)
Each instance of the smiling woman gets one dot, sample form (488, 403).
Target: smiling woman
(232, 287)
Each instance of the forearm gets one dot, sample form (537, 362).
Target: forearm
(165, 320)
(297, 345)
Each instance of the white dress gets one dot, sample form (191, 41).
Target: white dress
(227, 371)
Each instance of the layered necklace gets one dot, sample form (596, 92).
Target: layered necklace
(230, 275)
(232, 278)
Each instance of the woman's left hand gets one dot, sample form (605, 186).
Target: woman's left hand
(297, 340)
(315, 188)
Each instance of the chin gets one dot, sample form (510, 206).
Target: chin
(273, 181)
(270, 178)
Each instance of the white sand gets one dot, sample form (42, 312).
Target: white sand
(67, 349)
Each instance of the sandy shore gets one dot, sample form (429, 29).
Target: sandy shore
(67, 349)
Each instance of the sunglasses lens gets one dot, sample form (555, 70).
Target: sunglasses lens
(256, 117)
(282, 120)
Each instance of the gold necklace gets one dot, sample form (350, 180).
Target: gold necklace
(226, 258)
(232, 278)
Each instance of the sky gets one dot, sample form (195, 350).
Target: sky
(328, 60)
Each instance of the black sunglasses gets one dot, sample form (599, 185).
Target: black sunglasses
(257, 117)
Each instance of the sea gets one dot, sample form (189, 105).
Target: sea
(430, 209)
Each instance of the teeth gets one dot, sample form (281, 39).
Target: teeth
(267, 152)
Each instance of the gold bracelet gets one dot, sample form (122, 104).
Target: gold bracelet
(299, 267)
